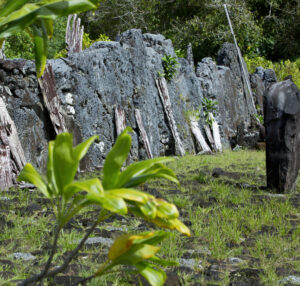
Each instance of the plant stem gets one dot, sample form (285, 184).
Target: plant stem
(103, 215)
(105, 266)
(46, 273)
(43, 274)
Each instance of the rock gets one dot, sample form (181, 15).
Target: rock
(190, 263)
(23, 256)
(290, 280)
(91, 83)
(282, 123)
(99, 240)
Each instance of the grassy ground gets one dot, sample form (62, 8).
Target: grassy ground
(241, 232)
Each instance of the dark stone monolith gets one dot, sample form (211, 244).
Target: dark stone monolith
(282, 123)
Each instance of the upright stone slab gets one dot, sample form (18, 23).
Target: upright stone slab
(282, 123)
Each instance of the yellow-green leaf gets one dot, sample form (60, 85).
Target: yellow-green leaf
(30, 175)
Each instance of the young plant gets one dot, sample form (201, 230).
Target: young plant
(170, 65)
(19, 15)
(115, 194)
(209, 106)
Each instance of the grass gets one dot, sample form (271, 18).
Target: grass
(229, 214)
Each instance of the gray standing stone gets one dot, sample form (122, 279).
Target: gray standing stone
(282, 123)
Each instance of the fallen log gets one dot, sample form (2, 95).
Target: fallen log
(164, 95)
(143, 133)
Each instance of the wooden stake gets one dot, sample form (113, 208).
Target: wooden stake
(216, 133)
(51, 100)
(164, 95)
(198, 135)
(210, 137)
(74, 35)
(120, 119)
(143, 133)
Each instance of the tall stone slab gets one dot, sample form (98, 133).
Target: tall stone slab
(282, 123)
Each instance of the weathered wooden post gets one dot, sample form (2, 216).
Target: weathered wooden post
(198, 135)
(164, 95)
(120, 119)
(74, 34)
(51, 100)
(143, 133)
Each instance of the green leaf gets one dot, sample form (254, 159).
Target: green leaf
(30, 175)
(81, 149)
(40, 38)
(138, 169)
(162, 262)
(148, 209)
(50, 169)
(156, 277)
(109, 202)
(92, 186)
(134, 254)
(115, 160)
(27, 15)
(130, 195)
(11, 6)
(166, 210)
(66, 159)
(64, 166)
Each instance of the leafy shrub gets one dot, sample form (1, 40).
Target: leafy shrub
(170, 65)
(115, 194)
(282, 68)
(209, 106)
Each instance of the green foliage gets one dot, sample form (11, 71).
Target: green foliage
(282, 68)
(180, 53)
(115, 194)
(209, 107)
(18, 15)
(87, 41)
(19, 45)
(170, 65)
(265, 28)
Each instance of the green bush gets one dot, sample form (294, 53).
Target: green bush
(282, 68)
(170, 65)
(115, 194)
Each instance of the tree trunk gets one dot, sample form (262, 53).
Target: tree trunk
(51, 100)
(164, 95)
(143, 133)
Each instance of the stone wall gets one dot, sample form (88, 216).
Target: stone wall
(91, 83)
